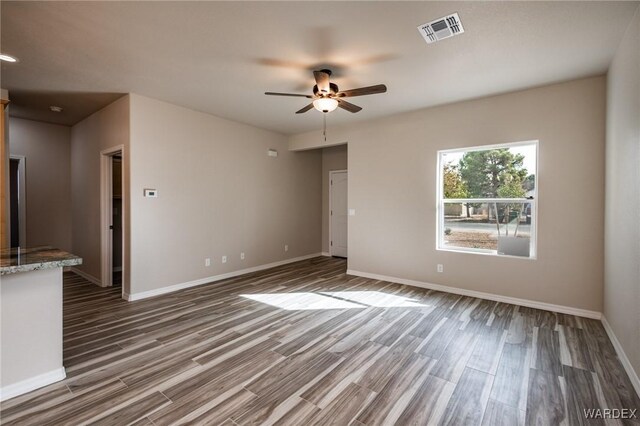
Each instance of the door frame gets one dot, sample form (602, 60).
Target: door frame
(106, 214)
(331, 173)
(22, 196)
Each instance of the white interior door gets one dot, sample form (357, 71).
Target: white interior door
(339, 213)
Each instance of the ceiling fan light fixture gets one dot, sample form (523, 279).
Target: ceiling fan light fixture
(325, 104)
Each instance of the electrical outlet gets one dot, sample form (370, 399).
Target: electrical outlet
(242, 256)
(286, 247)
(440, 267)
(207, 262)
(224, 259)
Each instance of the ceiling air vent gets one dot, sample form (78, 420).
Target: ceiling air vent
(442, 28)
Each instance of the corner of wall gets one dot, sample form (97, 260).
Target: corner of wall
(622, 233)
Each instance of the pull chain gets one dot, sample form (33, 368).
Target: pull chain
(324, 126)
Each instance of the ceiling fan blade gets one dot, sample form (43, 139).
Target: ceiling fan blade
(288, 94)
(370, 90)
(322, 80)
(305, 109)
(348, 106)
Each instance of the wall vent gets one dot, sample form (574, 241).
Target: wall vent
(442, 28)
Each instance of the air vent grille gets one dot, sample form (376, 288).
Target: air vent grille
(442, 28)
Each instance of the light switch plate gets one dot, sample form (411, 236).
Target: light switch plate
(150, 193)
(352, 212)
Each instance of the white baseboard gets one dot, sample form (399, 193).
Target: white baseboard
(214, 278)
(16, 389)
(87, 277)
(482, 295)
(325, 253)
(633, 375)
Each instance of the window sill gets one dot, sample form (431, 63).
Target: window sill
(482, 252)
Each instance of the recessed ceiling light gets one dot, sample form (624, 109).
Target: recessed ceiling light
(7, 58)
(55, 108)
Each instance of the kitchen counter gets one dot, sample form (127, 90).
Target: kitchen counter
(31, 259)
(31, 318)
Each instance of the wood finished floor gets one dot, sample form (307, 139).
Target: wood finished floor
(208, 355)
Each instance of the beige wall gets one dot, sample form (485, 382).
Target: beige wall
(622, 228)
(219, 194)
(104, 129)
(392, 187)
(333, 158)
(47, 148)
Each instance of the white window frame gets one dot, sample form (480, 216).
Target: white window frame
(440, 202)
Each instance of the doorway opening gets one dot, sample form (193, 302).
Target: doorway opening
(18, 201)
(112, 217)
(116, 220)
(338, 213)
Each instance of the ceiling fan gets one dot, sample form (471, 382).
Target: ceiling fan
(327, 97)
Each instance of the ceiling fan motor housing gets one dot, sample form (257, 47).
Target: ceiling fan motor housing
(333, 89)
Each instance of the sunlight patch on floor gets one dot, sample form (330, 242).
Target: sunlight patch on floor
(302, 301)
(376, 298)
(333, 300)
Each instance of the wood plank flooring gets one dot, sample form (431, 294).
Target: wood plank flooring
(306, 344)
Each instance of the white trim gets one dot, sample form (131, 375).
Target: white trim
(22, 197)
(482, 295)
(211, 279)
(485, 252)
(31, 384)
(325, 254)
(633, 375)
(489, 147)
(331, 173)
(86, 276)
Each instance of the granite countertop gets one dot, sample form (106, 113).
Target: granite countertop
(30, 259)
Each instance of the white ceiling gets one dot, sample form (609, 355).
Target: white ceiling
(220, 57)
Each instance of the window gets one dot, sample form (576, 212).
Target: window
(487, 199)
